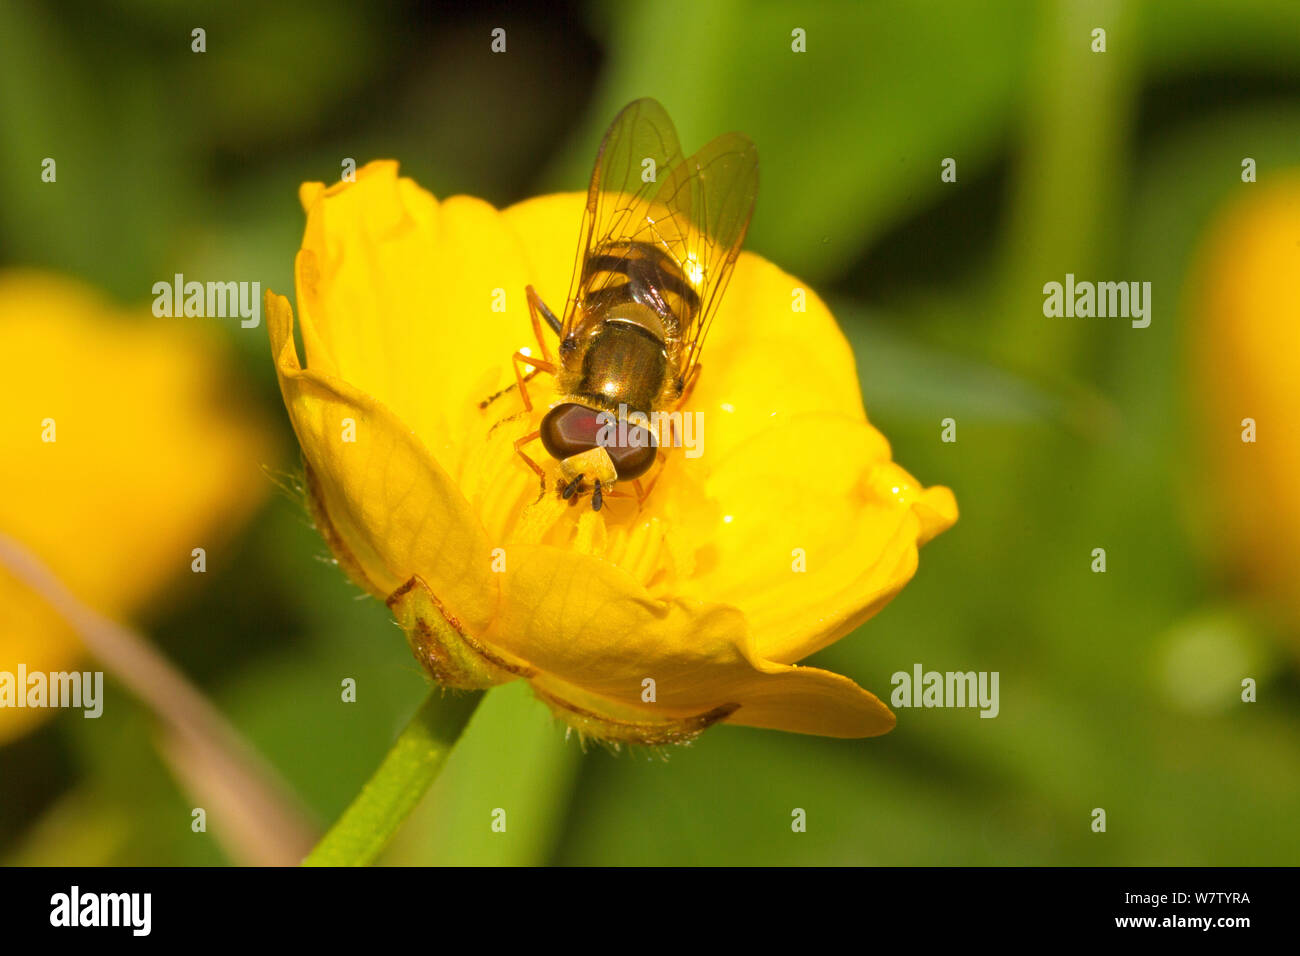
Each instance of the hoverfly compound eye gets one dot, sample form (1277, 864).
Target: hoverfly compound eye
(634, 458)
(570, 429)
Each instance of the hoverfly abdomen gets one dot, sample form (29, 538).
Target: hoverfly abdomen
(571, 429)
(638, 272)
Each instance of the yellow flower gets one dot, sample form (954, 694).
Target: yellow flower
(123, 448)
(640, 625)
(1247, 364)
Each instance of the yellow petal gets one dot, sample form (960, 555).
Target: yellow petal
(595, 637)
(818, 531)
(1246, 354)
(397, 296)
(155, 454)
(35, 636)
(386, 498)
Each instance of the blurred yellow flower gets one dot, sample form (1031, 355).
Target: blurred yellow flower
(123, 448)
(1246, 383)
(642, 625)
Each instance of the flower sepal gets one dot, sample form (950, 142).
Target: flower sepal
(443, 647)
(614, 725)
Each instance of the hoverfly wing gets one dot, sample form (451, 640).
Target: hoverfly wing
(639, 148)
(713, 195)
(662, 229)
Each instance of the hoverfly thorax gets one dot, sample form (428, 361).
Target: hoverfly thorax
(653, 260)
(623, 361)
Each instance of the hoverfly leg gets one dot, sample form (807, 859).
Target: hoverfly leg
(520, 379)
(519, 450)
(536, 306)
(596, 499)
(689, 387)
(538, 366)
(509, 388)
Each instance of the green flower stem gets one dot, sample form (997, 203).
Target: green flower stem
(392, 792)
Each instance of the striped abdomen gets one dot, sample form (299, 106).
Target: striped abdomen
(643, 273)
(635, 302)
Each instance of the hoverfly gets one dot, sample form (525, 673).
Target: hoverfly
(660, 235)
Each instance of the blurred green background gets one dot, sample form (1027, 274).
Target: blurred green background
(1117, 691)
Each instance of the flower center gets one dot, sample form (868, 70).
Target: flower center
(646, 537)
